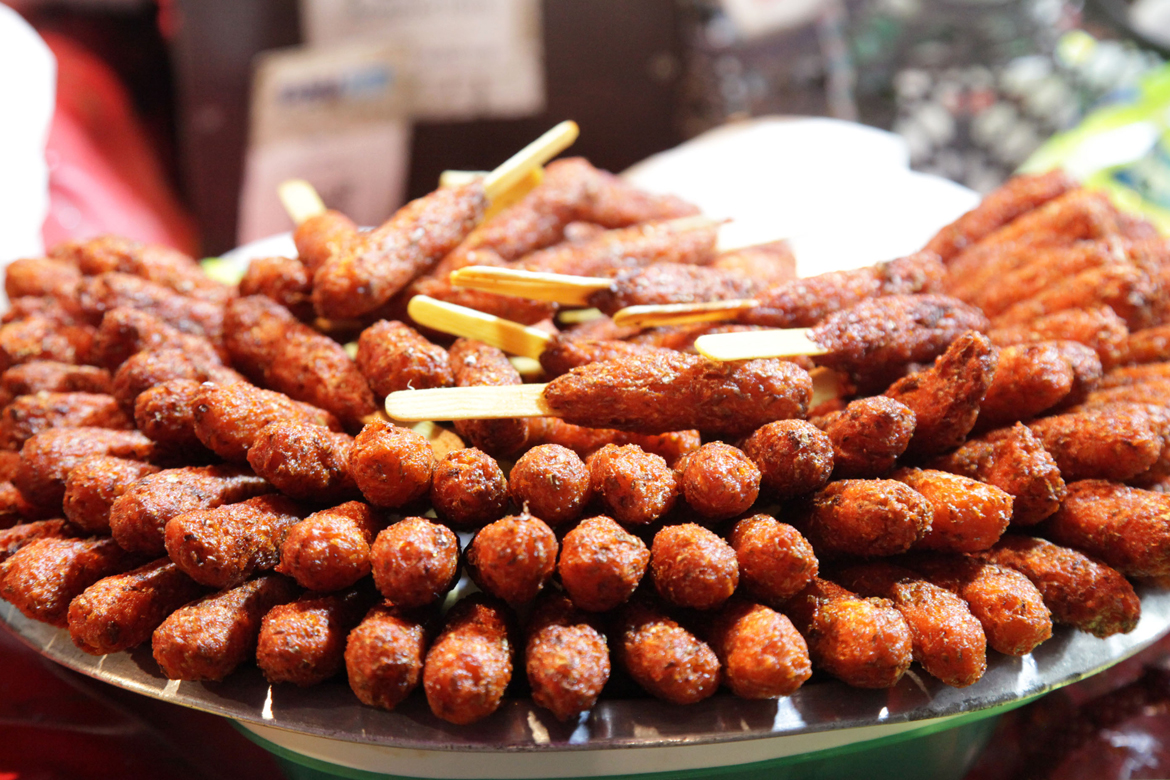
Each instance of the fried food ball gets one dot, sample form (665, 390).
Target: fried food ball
(469, 665)
(868, 436)
(94, 484)
(762, 654)
(384, 656)
(41, 276)
(585, 441)
(634, 486)
(775, 561)
(1098, 328)
(330, 550)
(154, 262)
(469, 489)
(720, 481)
(865, 517)
(228, 417)
(1127, 528)
(284, 280)
(692, 567)
(303, 642)
(665, 659)
(794, 457)
(41, 338)
(601, 564)
(393, 356)
(968, 515)
(113, 290)
(392, 466)
(304, 461)
(513, 558)
(415, 562)
(565, 657)
(551, 482)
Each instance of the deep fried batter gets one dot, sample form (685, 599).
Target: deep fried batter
(868, 436)
(330, 550)
(692, 567)
(228, 417)
(794, 457)
(28, 415)
(566, 657)
(384, 657)
(151, 368)
(667, 282)
(41, 338)
(153, 262)
(1047, 268)
(1028, 379)
(677, 242)
(469, 665)
(104, 292)
(41, 277)
(566, 352)
(1149, 345)
(719, 481)
(968, 515)
(1100, 329)
(303, 642)
(477, 364)
(305, 461)
(1086, 368)
(601, 564)
(166, 415)
(775, 561)
(1125, 289)
(391, 465)
(469, 489)
(52, 377)
(1125, 527)
(1110, 443)
(283, 279)
(94, 484)
(17, 536)
(126, 331)
(47, 458)
(762, 653)
(415, 562)
(551, 482)
(767, 264)
(586, 441)
(393, 356)
(864, 517)
(322, 235)
(664, 658)
(513, 558)
(634, 486)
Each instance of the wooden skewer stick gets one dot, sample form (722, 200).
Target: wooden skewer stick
(509, 336)
(300, 200)
(533, 156)
(536, 285)
(653, 316)
(753, 344)
(468, 403)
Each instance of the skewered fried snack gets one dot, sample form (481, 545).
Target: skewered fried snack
(123, 610)
(948, 640)
(228, 417)
(794, 457)
(1125, 289)
(1100, 329)
(153, 262)
(719, 481)
(392, 466)
(47, 458)
(1125, 527)
(864, 517)
(1028, 379)
(685, 241)
(105, 292)
(1117, 442)
(762, 654)
(968, 515)
(41, 277)
(64, 311)
(94, 484)
(470, 663)
(1006, 603)
(770, 263)
(864, 642)
(667, 282)
(224, 546)
(566, 657)
(305, 461)
(322, 235)
(520, 310)
(17, 536)
(469, 489)
(28, 415)
(40, 338)
(384, 656)
(415, 562)
(166, 415)
(664, 658)
(125, 331)
(393, 356)
(1077, 589)
(601, 564)
(475, 364)
(775, 561)
(52, 377)
(285, 280)
(44, 575)
(1087, 370)
(513, 558)
(692, 567)
(151, 368)
(586, 441)
(303, 642)
(634, 486)
(551, 482)
(330, 550)
(564, 353)
(208, 639)
(868, 436)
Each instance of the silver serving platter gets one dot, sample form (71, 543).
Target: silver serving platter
(331, 711)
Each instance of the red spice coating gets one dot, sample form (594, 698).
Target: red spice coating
(637, 246)
(1123, 288)
(28, 415)
(283, 279)
(566, 658)
(105, 292)
(868, 436)
(775, 561)
(664, 658)
(303, 642)
(94, 484)
(151, 368)
(166, 415)
(126, 331)
(17, 536)
(667, 282)
(330, 550)
(564, 353)
(47, 458)
(1110, 443)
(766, 264)
(41, 276)
(513, 558)
(415, 562)
(228, 417)
(322, 235)
(634, 486)
(865, 517)
(794, 457)
(53, 377)
(469, 489)
(1028, 379)
(392, 466)
(601, 564)
(384, 657)
(720, 481)
(9, 463)
(1125, 527)
(586, 441)
(469, 665)
(305, 461)
(550, 482)
(153, 262)
(477, 364)
(1099, 328)
(41, 338)
(692, 567)
(1144, 346)
(968, 515)
(762, 653)
(393, 356)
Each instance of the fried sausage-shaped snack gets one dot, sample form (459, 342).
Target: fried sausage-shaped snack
(469, 489)
(1005, 602)
(126, 331)
(303, 642)
(664, 658)
(802, 303)
(321, 235)
(550, 482)
(330, 550)
(28, 415)
(668, 282)
(272, 348)
(868, 436)
(645, 244)
(1028, 379)
(123, 610)
(63, 311)
(601, 564)
(1125, 527)
(166, 415)
(513, 558)
(692, 567)
(762, 654)
(470, 663)
(384, 656)
(391, 465)
(674, 392)
(720, 481)
(474, 364)
(865, 517)
(1122, 376)
(53, 377)
(305, 461)
(948, 640)
(150, 368)
(1100, 329)
(47, 458)
(1114, 442)
(775, 561)
(224, 546)
(43, 576)
(209, 638)
(1079, 590)
(94, 484)
(21, 534)
(153, 262)
(565, 656)
(877, 338)
(283, 279)
(105, 292)
(1123, 288)
(945, 397)
(1149, 345)
(634, 486)
(415, 562)
(228, 417)
(864, 642)
(768, 264)
(41, 277)
(794, 457)
(968, 515)
(393, 356)
(42, 338)
(14, 509)
(586, 441)
(564, 353)
(1150, 391)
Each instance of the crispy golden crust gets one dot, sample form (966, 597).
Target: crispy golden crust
(864, 517)
(1108, 443)
(94, 484)
(1028, 379)
(415, 562)
(513, 558)
(968, 515)
(41, 277)
(105, 292)
(601, 564)
(153, 262)
(47, 458)
(469, 665)
(634, 486)
(28, 415)
(1125, 289)
(125, 331)
(566, 658)
(1125, 527)
(469, 489)
(477, 364)
(303, 642)
(586, 441)
(720, 481)
(1100, 329)
(53, 377)
(305, 461)
(17, 536)
(330, 550)
(283, 279)
(393, 356)
(384, 657)
(762, 653)
(392, 466)
(664, 658)
(550, 482)
(671, 283)
(775, 561)
(692, 567)
(166, 415)
(151, 368)
(322, 235)
(40, 338)
(228, 417)
(868, 436)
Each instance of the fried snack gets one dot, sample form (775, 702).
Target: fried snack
(513, 558)
(52, 377)
(208, 639)
(766, 264)
(1028, 379)
(224, 546)
(522, 310)
(762, 654)
(566, 657)
(675, 392)
(391, 465)
(17, 536)
(794, 457)
(362, 273)
(1100, 329)
(565, 352)
(330, 550)
(63, 311)
(664, 658)
(1077, 589)
(303, 642)
(945, 397)
(634, 486)
(150, 368)
(1087, 370)
(12, 504)
(322, 235)
(601, 564)
(1005, 602)
(1110, 443)
(9, 463)
(123, 610)
(28, 415)
(228, 417)
(415, 562)
(1127, 528)
(586, 441)
(1125, 289)
(1127, 376)
(550, 482)
(47, 458)
(41, 338)
(94, 484)
(125, 331)
(864, 517)
(475, 364)
(305, 461)
(692, 567)
(868, 436)
(166, 414)
(153, 262)
(865, 642)
(393, 356)
(272, 348)
(469, 665)
(639, 246)
(285, 280)
(105, 292)
(802, 303)
(719, 481)
(947, 639)
(968, 515)
(384, 656)
(41, 277)
(44, 575)
(671, 282)
(775, 561)
(1149, 345)
(469, 490)
(1150, 391)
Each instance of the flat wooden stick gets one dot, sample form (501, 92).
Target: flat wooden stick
(533, 156)
(300, 200)
(749, 345)
(468, 403)
(826, 386)
(652, 316)
(512, 337)
(537, 285)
